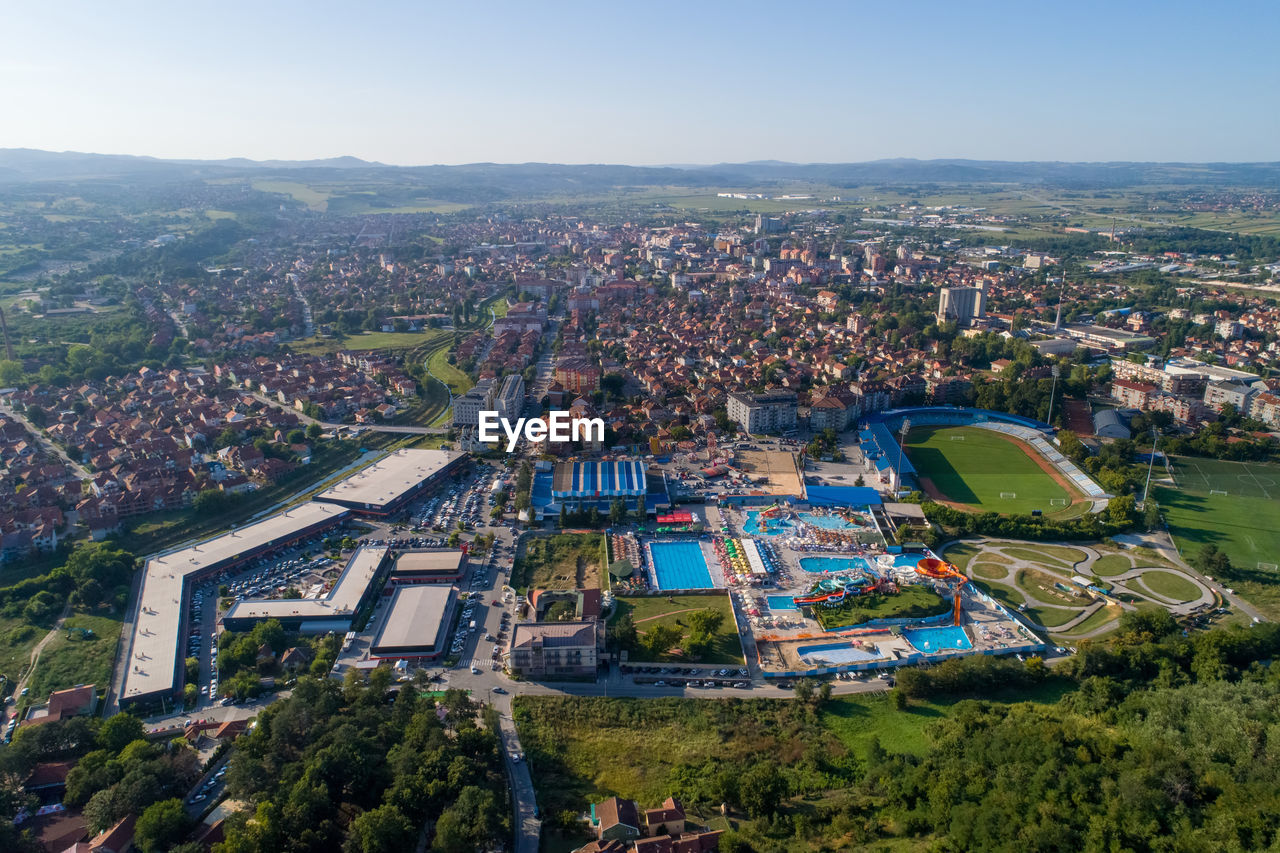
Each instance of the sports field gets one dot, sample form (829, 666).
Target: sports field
(984, 469)
(1234, 505)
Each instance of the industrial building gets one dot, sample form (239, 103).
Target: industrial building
(962, 305)
(155, 659)
(434, 565)
(417, 622)
(394, 480)
(155, 649)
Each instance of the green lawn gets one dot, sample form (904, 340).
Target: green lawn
(1244, 522)
(989, 570)
(1096, 620)
(1051, 617)
(916, 601)
(961, 553)
(1040, 585)
(439, 366)
(1003, 593)
(314, 199)
(70, 658)
(17, 638)
(367, 341)
(976, 470)
(1049, 555)
(648, 611)
(562, 561)
(1171, 586)
(1111, 565)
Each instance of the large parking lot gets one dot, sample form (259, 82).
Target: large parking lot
(469, 501)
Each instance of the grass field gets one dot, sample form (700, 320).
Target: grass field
(1244, 522)
(989, 570)
(649, 611)
(1050, 555)
(312, 198)
(1096, 620)
(439, 367)
(974, 467)
(1111, 565)
(366, 341)
(915, 601)
(17, 638)
(70, 658)
(1051, 617)
(562, 561)
(1171, 586)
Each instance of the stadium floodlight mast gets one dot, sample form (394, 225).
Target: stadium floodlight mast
(1146, 490)
(906, 428)
(1056, 371)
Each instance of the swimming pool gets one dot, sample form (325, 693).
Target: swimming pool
(836, 653)
(937, 639)
(781, 602)
(817, 565)
(680, 565)
(826, 522)
(777, 527)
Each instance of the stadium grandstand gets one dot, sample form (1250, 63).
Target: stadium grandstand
(879, 438)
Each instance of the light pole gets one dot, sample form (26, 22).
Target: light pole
(1146, 490)
(1056, 371)
(906, 428)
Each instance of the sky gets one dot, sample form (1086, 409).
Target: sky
(645, 83)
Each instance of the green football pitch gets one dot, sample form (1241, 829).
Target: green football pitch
(984, 469)
(1234, 505)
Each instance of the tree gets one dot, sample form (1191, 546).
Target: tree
(381, 830)
(313, 431)
(1151, 515)
(617, 512)
(660, 638)
(705, 622)
(804, 690)
(119, 731)
(161, 825)
(762, 788)
(621, 633)
(469, 823)
(296, 436)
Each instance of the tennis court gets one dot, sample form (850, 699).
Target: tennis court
(1234, 505)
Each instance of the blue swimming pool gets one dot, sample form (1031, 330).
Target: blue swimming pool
(680, 565)
(776, 526)
(781, 602)
(937, 639)
(842, 652)
(826, 522)
(818, 565)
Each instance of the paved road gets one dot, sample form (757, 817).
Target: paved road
(49, 446)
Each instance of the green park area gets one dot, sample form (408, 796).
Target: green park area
(912, 602)
(985, 470)
(680, 619)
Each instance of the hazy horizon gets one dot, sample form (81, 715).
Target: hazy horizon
(575, 83)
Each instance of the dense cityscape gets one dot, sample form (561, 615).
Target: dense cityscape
(882, 461)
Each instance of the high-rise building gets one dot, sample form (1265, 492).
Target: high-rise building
(467, 407)
(961, 304)
(774, 411)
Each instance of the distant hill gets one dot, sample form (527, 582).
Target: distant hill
(488, 181)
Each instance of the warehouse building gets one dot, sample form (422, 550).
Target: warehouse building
(417, 622)
(393, 481)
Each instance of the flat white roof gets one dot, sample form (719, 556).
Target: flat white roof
(153, 651)
(434, 560)
(415, 618)
(389, 477)
(342, 600)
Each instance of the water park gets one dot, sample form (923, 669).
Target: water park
(869, 612)
(826, 528)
